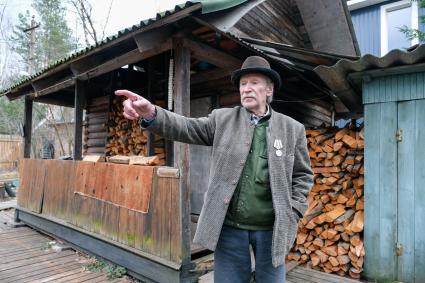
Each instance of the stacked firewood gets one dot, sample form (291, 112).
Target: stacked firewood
(95, 126)
(126, 138)
(329, 236)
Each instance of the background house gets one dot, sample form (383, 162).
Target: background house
(377, 22)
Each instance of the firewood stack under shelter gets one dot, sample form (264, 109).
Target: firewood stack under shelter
(329, 236)
(124, 137)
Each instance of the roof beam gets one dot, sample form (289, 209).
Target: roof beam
(67, 82)
(125, 59)
(150, 39)
(212, 55)
(209, 75)
(69, 102)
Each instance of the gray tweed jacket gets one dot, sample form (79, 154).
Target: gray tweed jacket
(230, 133)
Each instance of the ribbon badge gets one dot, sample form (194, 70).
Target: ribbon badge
(278, 145)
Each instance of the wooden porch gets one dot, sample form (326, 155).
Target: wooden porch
(30, 259)
(298, 274)
(29, 256)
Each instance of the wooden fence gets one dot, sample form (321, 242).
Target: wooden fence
(10, 152)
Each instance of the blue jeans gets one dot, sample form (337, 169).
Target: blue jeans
(232, 259)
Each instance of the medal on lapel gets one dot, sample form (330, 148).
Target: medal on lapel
(278, 145)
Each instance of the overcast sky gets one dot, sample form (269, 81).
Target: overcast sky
(124, 13)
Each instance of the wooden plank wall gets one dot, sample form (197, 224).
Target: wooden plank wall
(274, 20)
(48, 187)
(411, 194)
(395, 88)
(380, 190)
(394, 178)
(419, 195)
(32, 174)
(10, 152)
(59, 188)
(122, 185)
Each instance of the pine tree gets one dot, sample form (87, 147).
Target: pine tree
(55, 41)
(21, 41)
(52, 39)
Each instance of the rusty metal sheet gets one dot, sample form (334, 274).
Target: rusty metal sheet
(125, 186)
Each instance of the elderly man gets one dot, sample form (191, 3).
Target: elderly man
(260, 174)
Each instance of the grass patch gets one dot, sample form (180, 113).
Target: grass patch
(113, 271)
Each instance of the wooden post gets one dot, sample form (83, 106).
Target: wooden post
(27, 127)
(79, 102)
(151, 98)
(169, 153)
(181, 151)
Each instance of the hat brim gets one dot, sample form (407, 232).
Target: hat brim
(272, 74)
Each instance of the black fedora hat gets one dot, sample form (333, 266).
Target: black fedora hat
(256, 64)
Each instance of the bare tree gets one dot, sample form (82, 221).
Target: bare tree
(10, 63)
(83, 9)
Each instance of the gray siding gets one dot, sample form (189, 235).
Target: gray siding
(394, 88)
(394, 178)
(380, 233)
(367, 26)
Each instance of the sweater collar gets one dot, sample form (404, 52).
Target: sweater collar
(256, 119)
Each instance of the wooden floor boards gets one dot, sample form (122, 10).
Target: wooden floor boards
(27, 256)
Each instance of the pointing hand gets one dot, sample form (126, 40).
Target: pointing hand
(135, 106)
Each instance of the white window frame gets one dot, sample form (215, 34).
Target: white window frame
(392, 7)
(358, 4)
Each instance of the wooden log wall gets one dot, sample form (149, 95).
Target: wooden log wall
(125, 137)
(49, 187)
(314, 113)
(330, 236)
(95, 127)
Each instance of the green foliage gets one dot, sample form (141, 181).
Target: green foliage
(51, 40)
(12, 115)
(415, 33)
(21, 40)
(113, 271)
(55, 35)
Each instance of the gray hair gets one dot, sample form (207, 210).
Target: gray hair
(270, 83)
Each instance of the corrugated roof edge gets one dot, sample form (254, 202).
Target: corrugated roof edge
(107, 40)
(336, 76)
(208, 6)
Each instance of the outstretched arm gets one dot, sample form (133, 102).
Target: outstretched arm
(168, 124)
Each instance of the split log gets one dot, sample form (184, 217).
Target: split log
(94, 158)
(126, 138)
(330, 233)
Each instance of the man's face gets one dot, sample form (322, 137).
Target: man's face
(254, 90)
